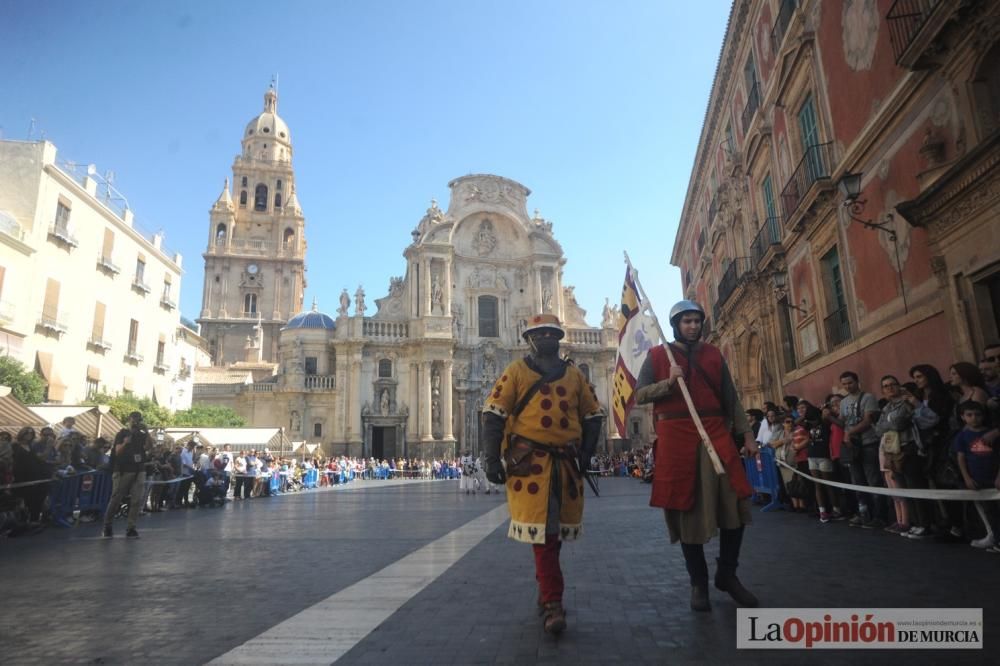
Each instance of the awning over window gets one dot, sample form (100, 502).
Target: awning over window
(93, 373)
(128, 384)
(46, 366)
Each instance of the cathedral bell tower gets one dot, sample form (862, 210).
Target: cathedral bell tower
(255, 261)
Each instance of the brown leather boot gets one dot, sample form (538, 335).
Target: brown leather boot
(726, 580)
(554, 618)
(699, 598)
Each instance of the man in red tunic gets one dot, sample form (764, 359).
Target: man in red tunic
(697, 502)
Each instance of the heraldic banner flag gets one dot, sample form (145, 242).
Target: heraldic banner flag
(635, 338)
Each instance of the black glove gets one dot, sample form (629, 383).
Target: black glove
(495, 471)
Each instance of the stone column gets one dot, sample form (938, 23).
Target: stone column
(206, 296)
(446, 398)
(354, 412)
(425, 292)
(446, 287)
(224, 292)
(424, 401)
(538, 289)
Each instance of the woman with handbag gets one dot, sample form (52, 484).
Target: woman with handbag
(895, 446)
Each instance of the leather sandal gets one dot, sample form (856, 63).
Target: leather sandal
(554, 618)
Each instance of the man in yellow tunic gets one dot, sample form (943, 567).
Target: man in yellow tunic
(544, 418)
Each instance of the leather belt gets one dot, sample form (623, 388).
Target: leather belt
(666, 416)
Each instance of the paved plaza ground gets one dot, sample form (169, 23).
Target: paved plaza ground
(417, 573)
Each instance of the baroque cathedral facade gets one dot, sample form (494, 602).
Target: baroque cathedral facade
(405, 375)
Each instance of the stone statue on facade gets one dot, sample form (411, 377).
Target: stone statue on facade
(384, 402)
(435, 382)
(456, 320)
(437, 295)
(296, 422)
(486, 241)
(546, 299)
(345, 303)
(359, 301)
(436, 413)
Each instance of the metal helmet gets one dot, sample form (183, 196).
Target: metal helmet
(540, 321)
(685, 306)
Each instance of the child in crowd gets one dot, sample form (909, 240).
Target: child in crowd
(978, 462)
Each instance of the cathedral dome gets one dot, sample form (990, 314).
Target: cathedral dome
(268, 125)
(311, 319)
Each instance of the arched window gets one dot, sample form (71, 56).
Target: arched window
(278, 186)
(243, 198)
(277, 199)
(488, 317)
(585, 369)
(260, 197)
(385, 368)
(289, 237)
(250, 304)
(243, 181)
(220, 234)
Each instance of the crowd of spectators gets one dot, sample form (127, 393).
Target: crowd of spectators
(178, 476)
(921, 432)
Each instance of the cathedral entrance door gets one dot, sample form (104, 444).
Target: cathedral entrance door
(383, 442)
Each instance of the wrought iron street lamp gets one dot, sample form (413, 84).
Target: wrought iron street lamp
(850, 188)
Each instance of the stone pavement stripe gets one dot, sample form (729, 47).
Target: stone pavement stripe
(324, 632)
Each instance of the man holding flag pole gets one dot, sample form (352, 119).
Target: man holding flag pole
(698, 477)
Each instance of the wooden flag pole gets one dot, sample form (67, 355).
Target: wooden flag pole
(705, 439)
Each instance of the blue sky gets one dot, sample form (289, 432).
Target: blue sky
(595, 106)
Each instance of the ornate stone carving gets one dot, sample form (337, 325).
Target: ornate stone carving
(940, 269)
(860, 23)
(486, 240)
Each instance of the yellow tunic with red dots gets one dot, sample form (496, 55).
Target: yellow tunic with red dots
(554, 417)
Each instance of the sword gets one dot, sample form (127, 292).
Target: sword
(583, 473)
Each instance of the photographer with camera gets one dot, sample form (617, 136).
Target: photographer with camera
(128, 478)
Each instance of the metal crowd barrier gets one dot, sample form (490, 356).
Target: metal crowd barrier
(762, 473)
(86, 491)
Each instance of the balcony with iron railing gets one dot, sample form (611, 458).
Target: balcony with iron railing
(738, 268)
(812, 168)
(753, 102)
(132, 356)
(98, 344)
(906, 20)
(321, 382)
(7, 312)
(167, 303)
(10, 228)
(52, 323)
(768, 240)
(785, 11)
(161, 367)
(106, 264)
(60, 234)
(838, 328)
(139, 285)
